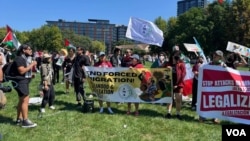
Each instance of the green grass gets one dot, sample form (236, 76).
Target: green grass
(69, 123)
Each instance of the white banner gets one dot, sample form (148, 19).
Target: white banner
(144, 31)
(224, 93)
(131, 85)
(233, 47)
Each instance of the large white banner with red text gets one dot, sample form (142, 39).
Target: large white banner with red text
(224, 93)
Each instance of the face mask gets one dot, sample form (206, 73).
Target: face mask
(161, 58)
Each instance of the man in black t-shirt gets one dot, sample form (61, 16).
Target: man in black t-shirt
(81, 60)
(22, 71)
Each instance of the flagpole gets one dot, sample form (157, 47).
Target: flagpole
(5, 38)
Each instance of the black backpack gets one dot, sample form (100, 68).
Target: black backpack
(8, 71)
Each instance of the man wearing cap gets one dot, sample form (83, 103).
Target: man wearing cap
(81, 60)
(217, 60)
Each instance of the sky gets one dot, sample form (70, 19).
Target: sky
(25, 15)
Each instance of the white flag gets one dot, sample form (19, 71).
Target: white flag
(144, 31)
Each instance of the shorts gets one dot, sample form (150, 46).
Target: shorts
(22, 89)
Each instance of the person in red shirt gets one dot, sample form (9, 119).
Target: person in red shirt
(135, 63)
(178, 75)
(103, 62)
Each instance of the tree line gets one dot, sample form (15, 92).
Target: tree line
(213, 26)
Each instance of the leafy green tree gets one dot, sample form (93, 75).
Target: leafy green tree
(97, 46)
(46, 38)
(161, 24)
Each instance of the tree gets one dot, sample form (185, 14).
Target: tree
(46, 38)
(162, 25)
(97, 46)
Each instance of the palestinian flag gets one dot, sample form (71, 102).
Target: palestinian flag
(68, 45)
(10, 39)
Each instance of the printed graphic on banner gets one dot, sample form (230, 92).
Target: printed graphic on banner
(233, 47)
(224, 93)
(131, 85)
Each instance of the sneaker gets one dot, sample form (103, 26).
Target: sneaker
(216, 121)
(28, 124)
(110, 111)
(168, 115)
(178, 117)
(101, 110)
(128, 113)
(52, 107)
(19, 121)
(42, 110)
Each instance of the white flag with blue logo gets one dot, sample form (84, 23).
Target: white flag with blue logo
(144, 31)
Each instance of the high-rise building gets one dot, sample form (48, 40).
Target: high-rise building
(96, 29)
(185, 5)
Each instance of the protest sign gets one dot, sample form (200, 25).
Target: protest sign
(127, 85)
(224, 93)
(191, 47)
(233, 47)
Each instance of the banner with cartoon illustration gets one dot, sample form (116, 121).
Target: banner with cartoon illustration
(130, 84)
(233, 47)
(224, 93)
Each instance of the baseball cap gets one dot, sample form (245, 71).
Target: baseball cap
(135, 56)
(101, 53)
(219, 53)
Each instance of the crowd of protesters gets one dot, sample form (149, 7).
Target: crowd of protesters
(72, 61)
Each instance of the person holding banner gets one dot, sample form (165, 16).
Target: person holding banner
(67, 66)
(233, 60)
(217, 60)
(103, 62)
(135, 63)
(195, 70)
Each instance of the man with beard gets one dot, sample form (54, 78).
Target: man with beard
(79, 76)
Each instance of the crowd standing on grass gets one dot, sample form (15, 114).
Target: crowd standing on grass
(72, 63)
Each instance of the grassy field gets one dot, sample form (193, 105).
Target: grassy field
(69, 123)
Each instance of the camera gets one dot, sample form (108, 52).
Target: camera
(6, 89)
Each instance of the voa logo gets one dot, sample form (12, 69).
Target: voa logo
(236, 132)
